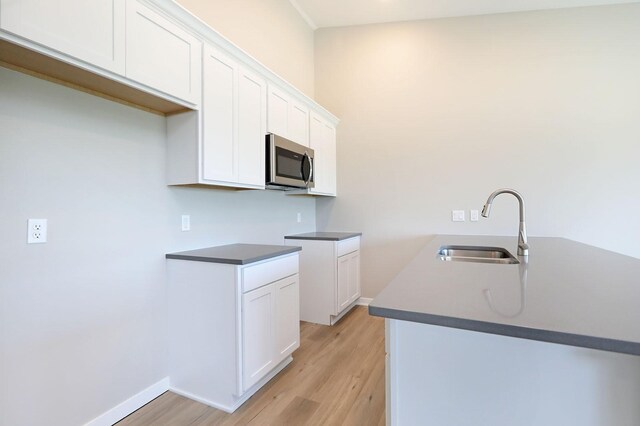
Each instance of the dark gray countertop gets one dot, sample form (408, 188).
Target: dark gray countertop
(235, 254)
(568, 293)
(327, 236)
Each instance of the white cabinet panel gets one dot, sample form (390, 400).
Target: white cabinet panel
(287, 117)
(299, 123)
(348, 280)
(322, 138)
(258, 308)
(354, 276)
(343, 296)
(287, 317)
(161, 55)
(279, 103)
(252, 127)
(92, 31)
(219, 151)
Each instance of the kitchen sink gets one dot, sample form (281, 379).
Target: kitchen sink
(477, 254)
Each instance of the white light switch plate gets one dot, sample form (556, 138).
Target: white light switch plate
(457, 215)
(186, 222)
(473, 214)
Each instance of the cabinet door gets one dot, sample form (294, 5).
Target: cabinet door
(219, 151)
(342, 293)
(92, 31)
(354, 276)
(317, 138)
(278, 104)
(252, 127)
(299, 123)
(288, 317)
(322, 138)
(258, 334)
(161, 55)
(329, 158)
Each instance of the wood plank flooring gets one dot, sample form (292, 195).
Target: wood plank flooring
(336, 378)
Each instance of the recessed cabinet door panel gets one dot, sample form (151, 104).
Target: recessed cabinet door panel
(288, 317)
(354, 276)
(92, 31)
(258, 339)
(329, 159)
(219, 156)
(343, 295)
(252, 123)
(161, 55)
(299, 123)
(317, 136)
(278, 112)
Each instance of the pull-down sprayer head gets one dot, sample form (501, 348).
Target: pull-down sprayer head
(523, 246)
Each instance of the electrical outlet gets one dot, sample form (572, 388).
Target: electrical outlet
(457, 215)
(36, 231)
(299, 217)
(186, 222)
(473, 215)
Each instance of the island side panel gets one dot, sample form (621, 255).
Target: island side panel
(444, 376)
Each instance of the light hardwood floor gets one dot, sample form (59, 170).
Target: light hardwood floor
(336, 378)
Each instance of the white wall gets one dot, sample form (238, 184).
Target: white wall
(83, 317)
(437, 114)
(272, 31)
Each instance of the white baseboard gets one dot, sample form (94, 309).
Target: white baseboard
(364, 301)
(127, 407)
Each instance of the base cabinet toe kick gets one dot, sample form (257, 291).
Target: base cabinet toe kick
(231, 327)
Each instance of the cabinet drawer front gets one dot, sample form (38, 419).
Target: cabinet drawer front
(348, 246)
(268, 272)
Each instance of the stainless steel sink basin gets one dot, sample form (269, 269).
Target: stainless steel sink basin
(477, 254)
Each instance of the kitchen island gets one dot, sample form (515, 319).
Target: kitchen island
(553, 340)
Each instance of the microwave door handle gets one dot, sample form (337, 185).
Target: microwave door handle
(308, 179)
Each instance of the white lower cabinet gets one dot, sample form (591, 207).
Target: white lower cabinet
(231, 327)
(348, 280)
(258, 334)
(329, 278)
(287, 293)
(270, 327)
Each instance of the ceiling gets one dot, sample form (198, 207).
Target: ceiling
(338, 13)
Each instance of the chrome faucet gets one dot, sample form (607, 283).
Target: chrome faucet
(523, 246)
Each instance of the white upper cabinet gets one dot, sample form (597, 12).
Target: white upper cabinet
(299, 123)
(92, 31)
(287, 117)
(278, 115)
(162, 55)
(219, 101)
(322, 139)
(219, 148)
(229, 151)
(252, 127)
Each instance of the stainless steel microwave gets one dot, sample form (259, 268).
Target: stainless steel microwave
(289, 164)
